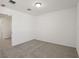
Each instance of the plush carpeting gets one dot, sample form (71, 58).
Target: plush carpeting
(39, 49)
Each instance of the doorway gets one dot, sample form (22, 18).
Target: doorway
(5, 31)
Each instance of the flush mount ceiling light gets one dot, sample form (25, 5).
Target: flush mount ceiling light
(12, 1)
(38, 4)
(3, 5)
(29, 9)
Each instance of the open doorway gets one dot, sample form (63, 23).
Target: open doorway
(5, 31)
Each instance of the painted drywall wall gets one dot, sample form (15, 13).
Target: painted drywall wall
(0, 29)
(78, 28)
(58, 27)
(5, 27)
(21, 25)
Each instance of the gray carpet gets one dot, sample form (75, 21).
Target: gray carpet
(39, 49)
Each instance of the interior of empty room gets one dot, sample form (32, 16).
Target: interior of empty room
(44, 21)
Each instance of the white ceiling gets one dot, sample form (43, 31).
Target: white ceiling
(48, 5)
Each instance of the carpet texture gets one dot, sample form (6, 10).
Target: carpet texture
(39, 49)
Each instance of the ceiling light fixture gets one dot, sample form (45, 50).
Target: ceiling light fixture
(38, 4)
(12, 1)
(3, 5)
(29, 9)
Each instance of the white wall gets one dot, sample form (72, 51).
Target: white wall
(21, 25)
(78, 28)
(0, 29)
(58, 27)
(5, 26)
